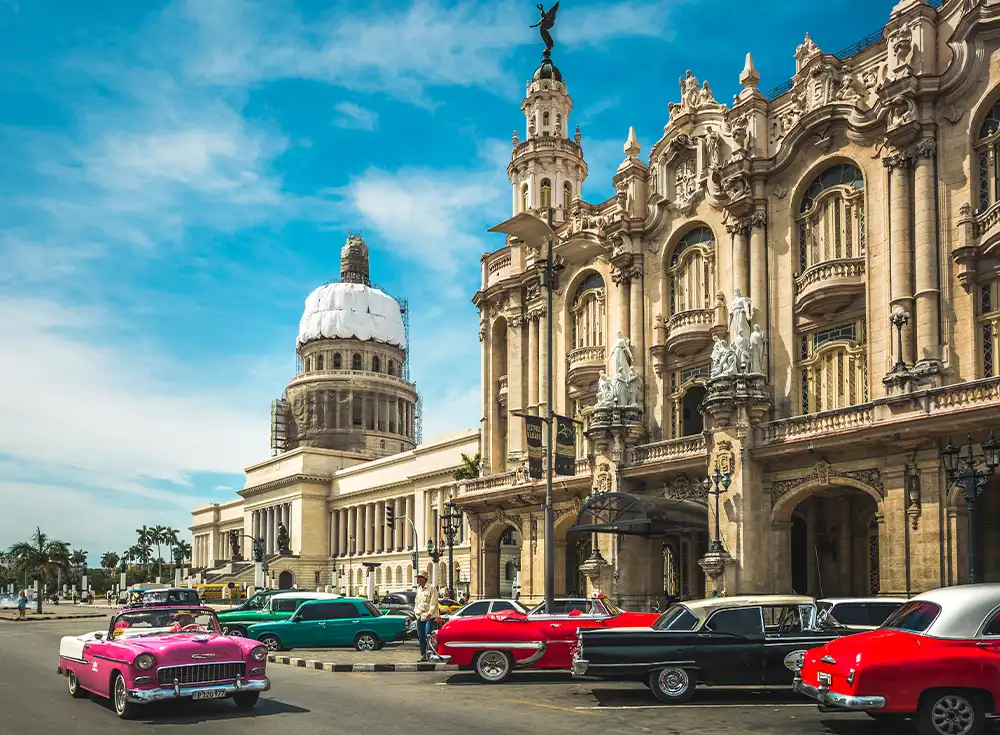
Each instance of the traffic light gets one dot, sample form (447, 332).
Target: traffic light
(390, 517)
(416, 562)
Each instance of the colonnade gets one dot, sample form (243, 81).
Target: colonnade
(350, 408)
(264, 523)
(361, 529)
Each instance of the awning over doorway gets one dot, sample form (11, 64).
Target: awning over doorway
(640, 515)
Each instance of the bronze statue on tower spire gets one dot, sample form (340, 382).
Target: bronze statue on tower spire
(545, 25)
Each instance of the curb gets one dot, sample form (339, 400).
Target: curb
(46, 618)
(303, 663)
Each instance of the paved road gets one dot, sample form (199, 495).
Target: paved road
(34, 699)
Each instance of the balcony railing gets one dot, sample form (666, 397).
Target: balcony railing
(830, 270)
(352, 373)
(685, 447)
(815, 424)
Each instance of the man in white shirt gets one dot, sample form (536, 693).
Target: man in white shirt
(425, 607)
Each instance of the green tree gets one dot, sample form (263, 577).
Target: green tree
(470, 468)
(171, 537)
(145, 538)
(42, 556)
(157, 536)
(182, 551)
(109, 560)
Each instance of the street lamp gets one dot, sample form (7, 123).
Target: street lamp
(535, 232)
(351, 548)
(717, 485)
(964, 473)
(452, 524)
(899, 319)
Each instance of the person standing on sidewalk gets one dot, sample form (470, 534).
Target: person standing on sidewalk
(22, 604)
(425, 607)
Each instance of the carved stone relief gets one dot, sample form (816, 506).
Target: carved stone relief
(821, 473)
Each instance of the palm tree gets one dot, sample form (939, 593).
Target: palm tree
(109, 560)
(44, 556)
(157, 536)
(170, 540)
(145, 535)
(182, 551)
(470, 467)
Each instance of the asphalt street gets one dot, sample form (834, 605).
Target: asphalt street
(33, 699)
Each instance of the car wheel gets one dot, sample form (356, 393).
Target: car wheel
(272, 643)
(367, 642)
(235, 632)
(950, 713)
(672, 685)
(493, 667)
(246, 700)
(73, 685)
(119, 698)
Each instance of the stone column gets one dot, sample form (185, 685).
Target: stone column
(277, 517)
(334, 531)
(892, 532)
(342, 513)
(621, 278)
(926, 270)
(362, 539)
(812, 576)
(900, 247)
(515, 386)
(533, 365)
(409, 514)
(400, 524)
(758, 268)
(380, 527)
(781, 536)
(740, 232)
(543, 351)
(350, 409)
(352, 528)
(636, 329)
(845, 543)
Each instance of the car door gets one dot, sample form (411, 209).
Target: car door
(343, 623)
(787, 636)
(730, 646)
(307, 628)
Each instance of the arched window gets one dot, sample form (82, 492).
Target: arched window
(988, 314)
(832, 217)
(524, 198)
(382, 444)
(336, 361)
(587, 312)
(307, 364)
(319, 362)
(692, 271)
(376, 364)
(833, 367)
(567, 196)
(545, 123)
(356, 362)
(508, 571)
(686, 391)
(546, 193)
(987, 150)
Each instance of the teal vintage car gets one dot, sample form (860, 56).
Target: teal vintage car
(332, 623)
(276, 607)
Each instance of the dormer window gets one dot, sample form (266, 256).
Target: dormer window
(546, 193)
(524, 198)
(567, 195)
(356, 362)
(319, 362)
(545, 123)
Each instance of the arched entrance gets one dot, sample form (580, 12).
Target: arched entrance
(988, 534)
(578, 547)
(692, 420)
(501, 549)
(832, 543)
(285, 580)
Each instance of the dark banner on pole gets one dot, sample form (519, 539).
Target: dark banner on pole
(565, 446)
(533, 431)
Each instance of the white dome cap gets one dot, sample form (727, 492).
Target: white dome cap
(352, 311)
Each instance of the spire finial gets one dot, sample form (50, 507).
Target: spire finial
(632, 146)
(750, 76)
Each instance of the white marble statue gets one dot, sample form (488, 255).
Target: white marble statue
(739, 316)
(713, 142)
(635, 384)
(758, 349)
(723, 359)
(621, 356)
(605, 392)
(741, 353)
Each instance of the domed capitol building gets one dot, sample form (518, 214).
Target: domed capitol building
(766, 339)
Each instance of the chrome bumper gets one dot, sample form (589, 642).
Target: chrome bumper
(579, 667)
(823, 695)
(144, 696)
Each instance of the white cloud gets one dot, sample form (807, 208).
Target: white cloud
(453, 410)
(355, 116)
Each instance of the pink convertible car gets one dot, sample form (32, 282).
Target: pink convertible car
(153, 654)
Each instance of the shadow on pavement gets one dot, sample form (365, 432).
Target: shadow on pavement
(540, 677)
(187, 712)
(618, 697)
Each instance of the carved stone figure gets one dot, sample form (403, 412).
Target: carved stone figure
(685, 180)
(689, 90)
(234, 544)
(713, 142)
(545, 25)
(741, 352)
(621, 355)
(283, 540)
(723, 359)
(605, 392)
(758, 347)
(705, 96)
(739, 316)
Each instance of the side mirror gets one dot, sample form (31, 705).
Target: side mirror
(99, 636)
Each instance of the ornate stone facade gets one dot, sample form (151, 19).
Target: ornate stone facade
(867, 183)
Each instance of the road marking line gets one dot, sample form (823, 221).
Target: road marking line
(690, 706)
(575, 710)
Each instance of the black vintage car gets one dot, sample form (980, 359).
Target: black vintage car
(734, 641)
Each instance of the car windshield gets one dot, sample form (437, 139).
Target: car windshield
(376, 613)
(256, 602)
(915, 617)
(163, 622)
(677, 617)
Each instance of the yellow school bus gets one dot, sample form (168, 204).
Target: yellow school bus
(221, 592)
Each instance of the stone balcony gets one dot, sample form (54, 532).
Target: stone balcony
(689, 332)
(497, 266)
(502, 390)
(583, 368)
(829, 286)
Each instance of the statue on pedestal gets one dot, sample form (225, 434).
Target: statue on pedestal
(283, 540)
(758, 349)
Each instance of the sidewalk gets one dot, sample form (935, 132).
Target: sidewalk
(399, 657)
(55, 612)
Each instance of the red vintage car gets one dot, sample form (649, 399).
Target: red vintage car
(496, 644)
(935, 660)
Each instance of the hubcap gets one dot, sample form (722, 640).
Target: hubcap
(72, 682)
(120, 695)
(271, 643)
(493, 665)
(234, 632)
(673, 682)
(953, 715)
(366, 643)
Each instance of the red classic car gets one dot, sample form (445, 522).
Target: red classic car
(936, 660)
(152, 654)
(494, 645)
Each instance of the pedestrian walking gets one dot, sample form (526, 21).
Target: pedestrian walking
(425, 607)
(22, 605)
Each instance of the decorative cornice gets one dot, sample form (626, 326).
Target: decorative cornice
(283, 482)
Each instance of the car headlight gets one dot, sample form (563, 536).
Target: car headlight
(144, 661)
(259, 653)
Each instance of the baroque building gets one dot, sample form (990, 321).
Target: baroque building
(865, 186)
(345, 445)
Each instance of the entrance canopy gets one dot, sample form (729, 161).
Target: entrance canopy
(639, 515)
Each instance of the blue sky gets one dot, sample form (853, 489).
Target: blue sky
(177, 176)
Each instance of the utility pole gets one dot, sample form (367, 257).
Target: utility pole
(550, 542)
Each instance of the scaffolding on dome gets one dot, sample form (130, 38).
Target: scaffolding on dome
(279, 425)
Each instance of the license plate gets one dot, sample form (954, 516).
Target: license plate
(824, 679)
(210, 694)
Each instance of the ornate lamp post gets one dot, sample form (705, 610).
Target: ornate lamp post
(351, 548)
(717, 485)
(899, 319)
(434, 552)
(971, 478)
(452, 524)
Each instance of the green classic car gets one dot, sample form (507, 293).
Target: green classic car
(276, 607)
(328, 623)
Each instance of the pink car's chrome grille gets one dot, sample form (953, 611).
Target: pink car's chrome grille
(200, 673)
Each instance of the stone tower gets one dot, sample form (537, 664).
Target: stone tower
(351, 394)
(547, 168)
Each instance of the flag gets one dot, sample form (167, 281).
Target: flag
(533, 432)
(565, 446)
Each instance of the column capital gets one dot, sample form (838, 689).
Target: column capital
(626, 274)
(743, 225)
(898, 158)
